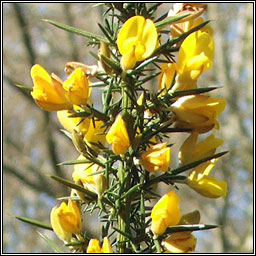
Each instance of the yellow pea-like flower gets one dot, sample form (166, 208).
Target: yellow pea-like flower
(185, 24)
(181, 28)
(207, 28)
(165, 213)
(192, 151)
(48, 92)
(200, 181)
(52, 94)
(198, 112)
(95, 134)
(118, 136)
(180, 242)
(166, 76)
(66, 220)
(83, 171)
(94, 246)
(195, 57)
(96, 183)
(156, 158)
(77, 87)
(92, 131)
(73, 123)
(136, 40)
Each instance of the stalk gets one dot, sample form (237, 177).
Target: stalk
(120, 219)
(124, 169)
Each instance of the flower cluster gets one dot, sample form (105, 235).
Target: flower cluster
(123, 150)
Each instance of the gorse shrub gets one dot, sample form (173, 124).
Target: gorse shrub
(123, 147)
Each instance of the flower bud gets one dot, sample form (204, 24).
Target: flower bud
(78, 141)
(198, 112)
(165, 213)
(166, 76)
(200, 181)
(95, 134)
(156, 158)
(105, 51)
(47, 92)
(191, 151)
(66, 220)
(77, 87)
(94, 246)
(79, 124)
(96, 183)
(100, 184)
(118, 137)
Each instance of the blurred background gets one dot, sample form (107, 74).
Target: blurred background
(33, 143)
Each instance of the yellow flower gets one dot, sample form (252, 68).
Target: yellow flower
(198, 112)
(118, 137)
(52, 94)
(156, 158)
(95, 134)
(165, 213)
(83, 171)
(166, 76)
(180, 28)
(180, 242)
(47, 90)
(77, 87)
(191, 151)
(184, 25)
(73, 123)
(136, 41)
(198, 178)
(66, 220)
(94, 246)
(96, 183)
(200, 181)
(195, 57)
(206, 28)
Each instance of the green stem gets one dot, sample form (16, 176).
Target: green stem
(127, 106)
(126, 100)
(120, 219)
(125, 205)
(120, 237)
(124, 170)
(107, 98)
(142, 206)
(158, 246)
